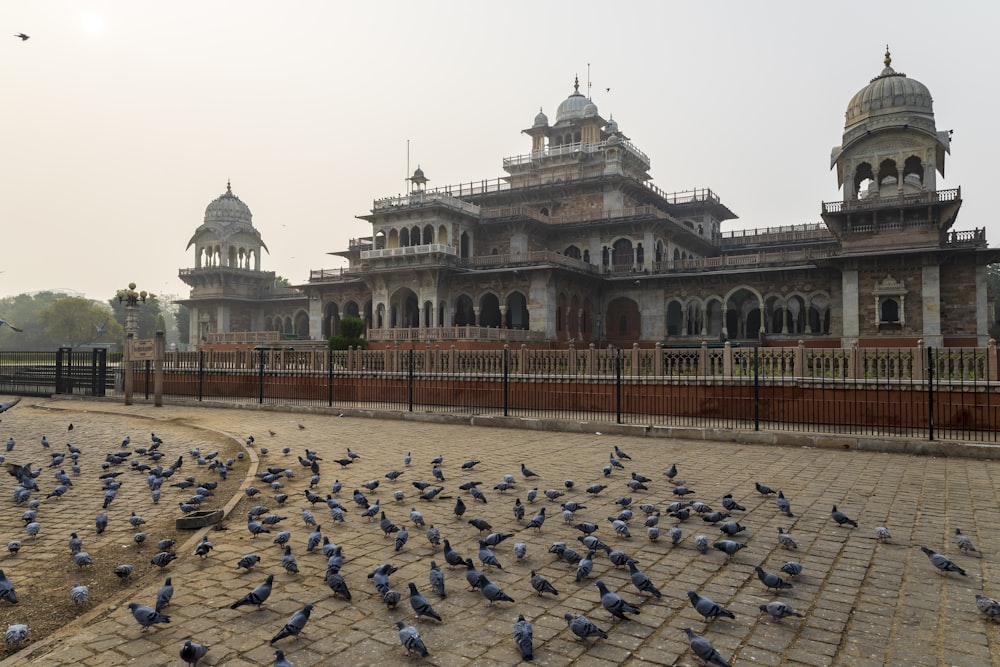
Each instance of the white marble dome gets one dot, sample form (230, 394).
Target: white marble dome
(227, 207)
(890, 93)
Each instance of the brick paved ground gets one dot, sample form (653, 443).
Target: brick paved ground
(865, 603)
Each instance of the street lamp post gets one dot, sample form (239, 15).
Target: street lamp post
(131, 300)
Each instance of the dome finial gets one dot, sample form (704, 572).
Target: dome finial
(576, 84)
(229, 187)
(888, 56)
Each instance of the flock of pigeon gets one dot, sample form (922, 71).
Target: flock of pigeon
(587, 545)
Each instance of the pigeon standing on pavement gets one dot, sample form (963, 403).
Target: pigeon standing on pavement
(524, 638)
(410, 639)
(16, 634)
(988, 607)
(541, 584)
(771, 580)
(583, 627)
(704, 649)
(963, 542)
(641, 581)
(709, 609)
(942, 563)
(613, 603)
(7, 589)
(437, 579)
(295, 624)
(842, 519)
(191, 652)
(164, 594)
(257, 596)
(779, 610)
(146, 616)
(420, 604)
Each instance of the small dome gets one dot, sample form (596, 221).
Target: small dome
(590, 110)
(541, 120)
(889, 93)
(227, 207)
(611, 127)
(572, 107)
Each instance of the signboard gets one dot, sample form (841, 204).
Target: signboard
(142, 349)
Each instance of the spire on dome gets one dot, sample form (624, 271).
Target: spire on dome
(576, 84)
(888, 56)
(229, 187)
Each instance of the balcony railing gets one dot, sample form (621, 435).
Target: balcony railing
(454, 333)
(878, 201)
(426, 249)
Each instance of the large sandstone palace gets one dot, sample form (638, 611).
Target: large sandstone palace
(575, 244)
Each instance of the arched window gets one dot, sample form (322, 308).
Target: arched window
(890, 311)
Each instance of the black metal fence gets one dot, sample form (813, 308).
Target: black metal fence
(946, 393)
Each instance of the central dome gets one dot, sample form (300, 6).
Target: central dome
(889, 93)
(227, 207)
(575, 106)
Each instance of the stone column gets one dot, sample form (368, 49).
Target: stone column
(930, 291)
(851, 303)
(982, 308)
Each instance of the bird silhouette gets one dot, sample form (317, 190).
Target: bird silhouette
(23, 36)
(2, 321)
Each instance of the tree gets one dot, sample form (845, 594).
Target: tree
(24, 311)
(73, 321)
(352, 331)
(148, 313)
(183, 319)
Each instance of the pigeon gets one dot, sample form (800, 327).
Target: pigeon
(124, 571)
(583, 627)
(75, 544)
(280, 660)
(585, 566)
(988, 607)
(785, 540)
(7, 589)
(437, 579)
(2, 321)
(295, 624)
(779, 610)
(613, 602)
(492, 592)
(420, 604)
(459, 507)
(527, 473)
(289, 562)
(487, 557)
(842, 519)
(146, 616)
(771, 580)
(452, 557)
(764, 489)
(707, 608)
(941, 562)
(541, 584)
(783, 505)
(704, 650)
(163, 559)
(520, 550)
(401, 537)
(191, 652)
(338, 585)
(80, 594)
(622, 455)
(164, 595)
(882, 534)
(518, 510)
(13, 547)
(792, 568)
(729, 547)
(16, 634)
(524, 638)
(963, 542)
(257, 596)
(410, 639)
(537, 521)
(433, 535)
(480, 524)
(472, 575)
(732, 528)
(204, 547)
(701, 543)
(247, 562)
(641, 581)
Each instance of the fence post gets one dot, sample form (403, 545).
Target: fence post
(727, 359)
(756, 387)
(329, 375)
(201, 374)
(591, 360)
(260, 376)
(854, 368)
(409, 379)
(636, 360)
(571, 359)
(703, 358)
(930, 393)
(658, 359)
(618, 385)
(991, 360)
(800, 360)
(506, 379)
(918, 362)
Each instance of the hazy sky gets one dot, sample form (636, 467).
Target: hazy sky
(122, 120)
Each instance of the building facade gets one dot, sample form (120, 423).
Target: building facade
(575, 244)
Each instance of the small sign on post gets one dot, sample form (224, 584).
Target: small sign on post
(143, 349)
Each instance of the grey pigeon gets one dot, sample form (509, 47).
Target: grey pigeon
(146, 616)
(257, 596)
(527, 472)
(585, 566)
(338, 585)
(487, 557)
(191, 652)
(164, 594)
(420, 604)
(641, 581)
(433, 535)
(82, 559)
(123, 571)
(247, 562)
(613, 602)
(541, 584)
(764, 489)
(520, 550)
(988, 607)
(707, 608)
(729, 547)
(16, 634)
(289, 562)
(537, 521)
(163, 559)
(792, 569)
(784, 505)
(701, 542)
(785, 540)
(704, 649)
(7, 589)
(491, 591)
(582, 627)
(963, 542)
(882, 534)
(942, 563)
(452, 557)
(437, 579)
(771, 580)
(524, 638)
(842, 519)
(280, 660)
(779, 610)
(80, 594)
(295, 624)
(410, 639)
